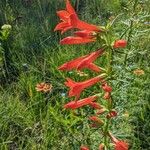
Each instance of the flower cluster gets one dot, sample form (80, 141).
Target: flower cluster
(87, 33)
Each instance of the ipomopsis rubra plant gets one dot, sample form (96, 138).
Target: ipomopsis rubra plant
(87, 33)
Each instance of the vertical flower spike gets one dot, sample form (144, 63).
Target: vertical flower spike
(120, 44)
(77, 87)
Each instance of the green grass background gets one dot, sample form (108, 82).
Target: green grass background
(35, 121)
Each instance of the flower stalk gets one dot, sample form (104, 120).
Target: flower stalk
(91, 33)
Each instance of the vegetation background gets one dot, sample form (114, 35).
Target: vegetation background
(31, 54)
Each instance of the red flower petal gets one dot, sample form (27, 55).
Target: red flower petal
(69, 7)
(120, 44)
(63, 15)
(77, 87)
(94, 67)
(119, 144)
(84, 33)
(80, 103)
(96, 119)
(75, 40)
(71, 64)
(95, 105)
(85, 26)
(106, 87)
(61, 26)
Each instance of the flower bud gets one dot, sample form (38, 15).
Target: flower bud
(120, 44)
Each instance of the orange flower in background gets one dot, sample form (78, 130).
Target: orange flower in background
(80, 103)
(119, 144)
(84, 148)
(77, 87)
(70, 20)
(43, 87)
(120, 44)
(83, 62)
(139, 72)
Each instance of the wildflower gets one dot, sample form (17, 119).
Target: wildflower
(70, 20)
(81, 37)
(106, 95)
(106, 87)
(119, 144)
(80, 103)
(76, 40)
(77, 87)
(83, 62)
(88, 61)
(101, 111)
(71, 64)
(112, 114)
(43, 87)
(84, 148)
(95, 105)
(96, 119)
(120, 44)
(138, 72)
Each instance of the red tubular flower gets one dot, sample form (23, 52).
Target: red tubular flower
(83, 62)
(77, 87)
(70, 20)
(71, 64)
(106, 95)
(80, 103)
(95, 105)
(112, 114)
(84, 148)
(119, 145)
(70, 40)
(101, 111)
(96, 119)
(106, 87)
(88, 61)
(120, 44)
